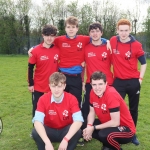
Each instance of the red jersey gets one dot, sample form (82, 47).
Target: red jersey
(58, 115)
(98, 58)
(71, 50)
(111, 99)
(46, 61)
(125, 58)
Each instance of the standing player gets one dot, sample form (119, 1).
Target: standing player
(114, 125)
(45, 57)
(57, 117)
(126, 52)
(97, 57)
(71, 48)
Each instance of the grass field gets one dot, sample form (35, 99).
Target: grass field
(15, 109)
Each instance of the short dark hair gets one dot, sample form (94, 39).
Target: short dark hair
(49, 30)
(95, 26)
(97, 75)
(56, 78)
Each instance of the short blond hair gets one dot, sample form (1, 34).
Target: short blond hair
(72, 21)
(56, 78)
(123, 22)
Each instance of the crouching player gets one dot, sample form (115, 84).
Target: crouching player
(114, 125)
(57, 117)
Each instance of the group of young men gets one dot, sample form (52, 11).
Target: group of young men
(59, 61)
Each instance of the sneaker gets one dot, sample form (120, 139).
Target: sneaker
(135, 140)
(80, 142)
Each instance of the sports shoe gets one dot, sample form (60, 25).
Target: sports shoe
(135, 140)
(80, 142)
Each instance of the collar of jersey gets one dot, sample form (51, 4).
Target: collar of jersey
(69, 37)
(53, 100)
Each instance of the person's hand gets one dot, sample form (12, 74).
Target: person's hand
(87, 133)
(140, 81)
(83, 64)
(63, 145)
(29, 52)
(49, 146)
(31, 88)
(109, 46)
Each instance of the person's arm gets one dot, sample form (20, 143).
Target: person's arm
(30, 51)
(91, 116)
(113, 122)
(87, 132)
(42, 133)
(104, 41)
(84, 75)
(30, 77)
(142, 68)
(75, 126)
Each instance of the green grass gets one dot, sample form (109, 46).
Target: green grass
(15, 109)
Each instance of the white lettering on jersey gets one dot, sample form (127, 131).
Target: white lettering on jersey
(52, 112)
(44, 57)
(95, 105)
(65, 45)
(91, 54)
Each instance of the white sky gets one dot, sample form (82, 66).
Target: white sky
(122, 4)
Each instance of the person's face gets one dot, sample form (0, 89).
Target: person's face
(48, 40)
(99, 87)
(95, 34)
(124, 31)
(57, 90)
(71, 30)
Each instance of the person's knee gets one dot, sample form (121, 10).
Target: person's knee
(35, 135)
(77, 135)
(102, 136)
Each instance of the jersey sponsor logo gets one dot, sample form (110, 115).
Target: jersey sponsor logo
(44, 57)
(104, 56)
(95, 105)
(127, 55)
(52, 112)
(104, 110)
(55, 58)
(65, 45)
(91, 54)
(65, 115)
(79, 46)
(115, 51)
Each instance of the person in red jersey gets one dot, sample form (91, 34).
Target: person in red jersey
(45, 59)
(114, 125)
(97, 57)
(126, 52)
(71, 48)
(58, 117)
